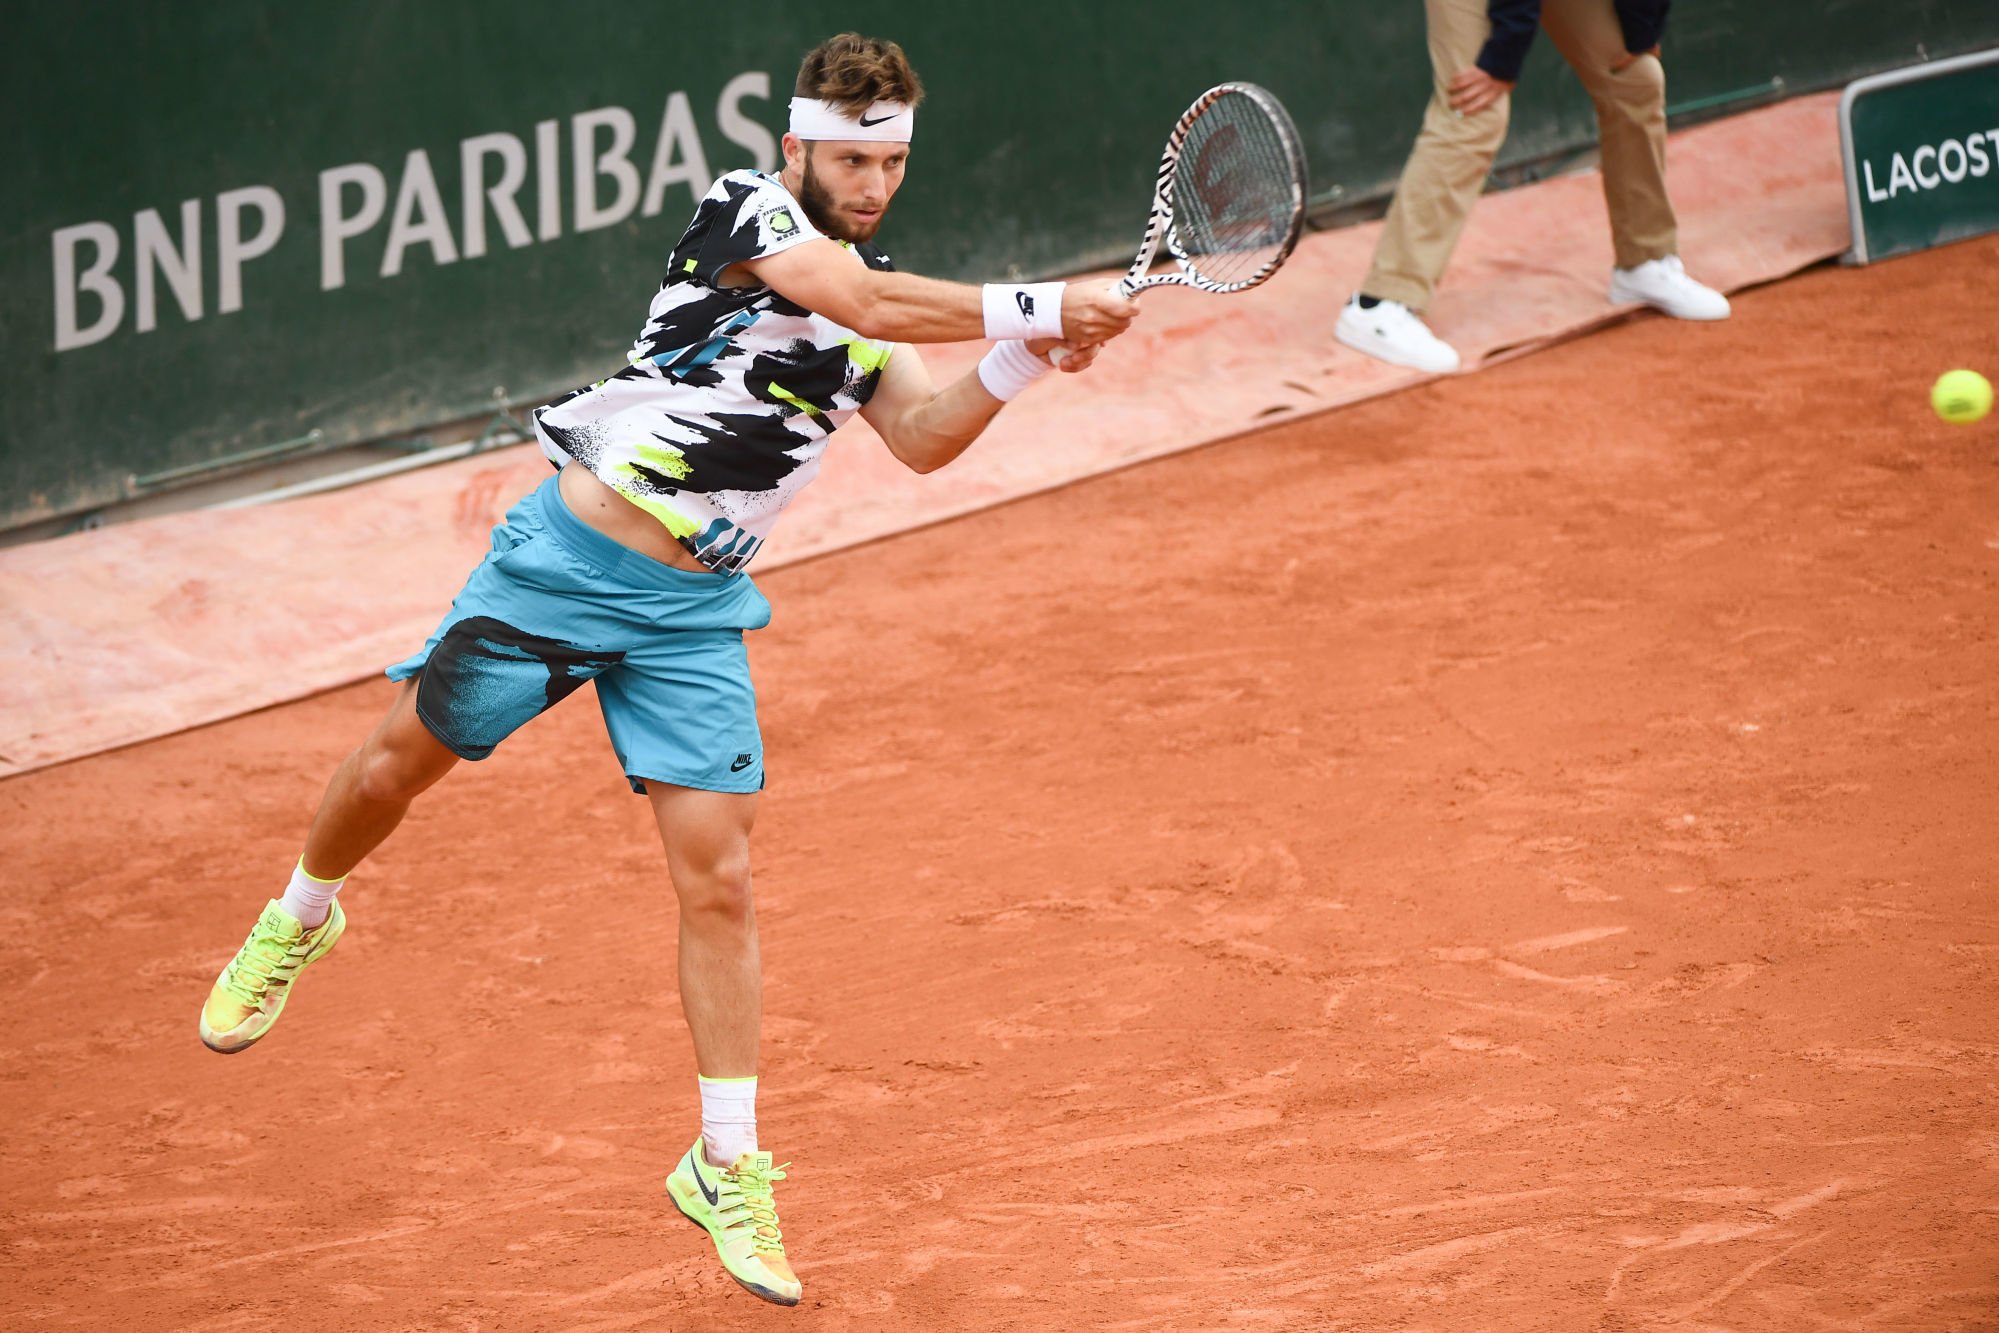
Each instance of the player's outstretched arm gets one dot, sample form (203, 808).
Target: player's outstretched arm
(905, 308)
(925, 426)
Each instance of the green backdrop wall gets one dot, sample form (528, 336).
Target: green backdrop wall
(231, 224)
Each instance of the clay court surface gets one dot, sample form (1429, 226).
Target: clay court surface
(1514, 855)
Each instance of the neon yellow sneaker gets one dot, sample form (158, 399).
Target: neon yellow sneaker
(736, 1208)
(251, 992)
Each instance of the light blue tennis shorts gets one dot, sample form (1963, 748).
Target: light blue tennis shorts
(557, 603)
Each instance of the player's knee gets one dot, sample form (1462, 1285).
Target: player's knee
(378, 777)
(386, 773)
(717, 888)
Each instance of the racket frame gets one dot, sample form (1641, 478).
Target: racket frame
(1159, 226)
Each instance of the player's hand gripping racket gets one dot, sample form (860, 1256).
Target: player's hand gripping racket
(1230, 199)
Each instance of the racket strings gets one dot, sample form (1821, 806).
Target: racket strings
(1235, 193)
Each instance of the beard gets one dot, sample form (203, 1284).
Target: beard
(821, 211)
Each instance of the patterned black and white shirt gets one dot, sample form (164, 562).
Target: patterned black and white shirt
(722, 414)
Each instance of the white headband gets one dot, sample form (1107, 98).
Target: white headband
(884, 122)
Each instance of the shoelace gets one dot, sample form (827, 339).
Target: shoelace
(755, 1188)
(264, 956)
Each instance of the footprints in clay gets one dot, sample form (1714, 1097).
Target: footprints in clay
(1732, 1214)
(1502, 961)
(615, 1063)
(1020, 913)
(1567, 939)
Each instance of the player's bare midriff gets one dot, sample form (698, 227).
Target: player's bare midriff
(622, 521)
(618, 518)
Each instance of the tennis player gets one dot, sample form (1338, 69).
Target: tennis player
(777, 321)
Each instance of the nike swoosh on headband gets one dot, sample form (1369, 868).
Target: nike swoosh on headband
(865, 122)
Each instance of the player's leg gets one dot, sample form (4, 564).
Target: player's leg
(682, 717)
(681, 713)
(373, 789)
(707, 840)
(1445, 172)
(723, 1182)
(1629, 93)
(521, 635)
(367, 797)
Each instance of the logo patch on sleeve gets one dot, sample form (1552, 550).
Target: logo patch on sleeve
(780, 221)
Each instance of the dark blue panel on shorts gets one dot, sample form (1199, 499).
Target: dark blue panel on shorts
(486, 679)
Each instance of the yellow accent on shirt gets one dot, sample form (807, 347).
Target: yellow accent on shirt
(867, 357)
(665, 458)
(677, 523)
(784, 395)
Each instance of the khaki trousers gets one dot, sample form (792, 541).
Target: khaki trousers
(1453, 153)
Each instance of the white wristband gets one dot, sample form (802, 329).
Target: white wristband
(1008, 368)
(1032, 311)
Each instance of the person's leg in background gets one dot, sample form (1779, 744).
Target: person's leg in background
(1443, 177)
(1629, 92)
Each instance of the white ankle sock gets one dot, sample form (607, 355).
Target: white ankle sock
(309, 899)
(728, 1118)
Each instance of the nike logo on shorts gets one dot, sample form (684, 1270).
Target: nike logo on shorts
(743, 761)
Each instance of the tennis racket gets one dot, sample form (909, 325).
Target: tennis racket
(1229, 204)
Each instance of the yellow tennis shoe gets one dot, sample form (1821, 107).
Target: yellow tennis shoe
(734, 1205)
(251, 992)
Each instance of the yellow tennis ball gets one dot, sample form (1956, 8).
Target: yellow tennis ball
(1961, 396)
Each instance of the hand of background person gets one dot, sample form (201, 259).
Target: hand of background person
(1473, 90)
(1630, 56)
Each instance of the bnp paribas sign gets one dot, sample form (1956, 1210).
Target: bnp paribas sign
(1922, 155)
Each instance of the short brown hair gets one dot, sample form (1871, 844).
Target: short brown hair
(854, 72)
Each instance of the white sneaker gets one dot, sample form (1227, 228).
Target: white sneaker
(1391, 332)
(1664, 284)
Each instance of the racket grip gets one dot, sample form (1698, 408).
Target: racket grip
(1058, 354)
(1127, 287)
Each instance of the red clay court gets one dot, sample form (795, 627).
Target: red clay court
(1512, 855)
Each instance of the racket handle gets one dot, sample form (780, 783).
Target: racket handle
(1057, 355)
(1127, 287)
